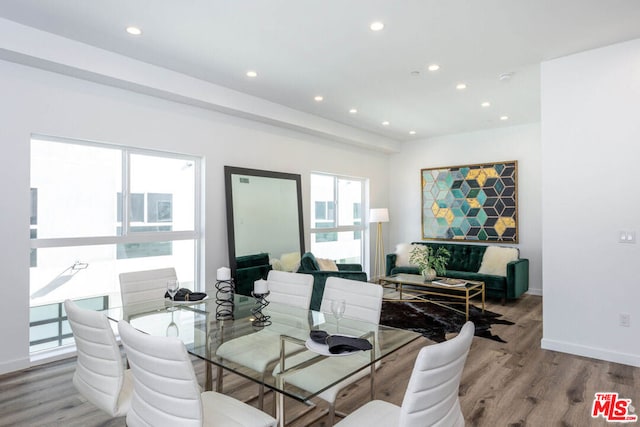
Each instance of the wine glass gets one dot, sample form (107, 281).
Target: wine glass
(172, 289)
(172, 328)
(338, 307)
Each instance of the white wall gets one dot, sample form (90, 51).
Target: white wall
(521, 143)
(36, 101)
(591, 148)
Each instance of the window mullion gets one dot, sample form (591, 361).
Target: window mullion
(336, 198)
(60, 242)
(338, 229)
(126, 191)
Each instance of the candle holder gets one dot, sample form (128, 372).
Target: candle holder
(260, 319)
(224, 299)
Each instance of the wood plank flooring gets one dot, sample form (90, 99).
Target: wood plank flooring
(503, 384)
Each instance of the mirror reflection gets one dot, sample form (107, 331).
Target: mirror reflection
(264, 223)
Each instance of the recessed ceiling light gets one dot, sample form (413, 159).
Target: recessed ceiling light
(505, 77)
(134, 31)
(252, 73)
(461, 86)
(319, 98)
(433, 67)
(503, 118)
(353, 111)
(376, 26)
(485, 104)
(385, 123)
(412, 132)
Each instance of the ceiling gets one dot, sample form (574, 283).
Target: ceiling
(303, 48)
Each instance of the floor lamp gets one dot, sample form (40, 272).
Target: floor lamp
(379, 215)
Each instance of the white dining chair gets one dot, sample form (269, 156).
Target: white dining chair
(288, 290)
(292, 289)
(431, 397)
(166, 391)
(100, 375)
(363, 302)
(363, 299)
(141, 286)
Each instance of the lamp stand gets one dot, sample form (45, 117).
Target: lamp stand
(378, 264)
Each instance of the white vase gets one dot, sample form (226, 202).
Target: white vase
(429, 274)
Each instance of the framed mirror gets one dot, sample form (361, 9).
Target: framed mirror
(264, 222)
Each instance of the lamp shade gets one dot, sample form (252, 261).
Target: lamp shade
(379, 215)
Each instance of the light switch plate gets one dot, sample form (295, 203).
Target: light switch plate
(627, 237)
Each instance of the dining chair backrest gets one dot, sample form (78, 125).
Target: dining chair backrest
(141, 286)
(165, 391)
(363, 302)
(100, 372)
(292, 289)
(363, 299)
(431, 397)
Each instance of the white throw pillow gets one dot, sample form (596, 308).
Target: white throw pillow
(495, 260)
(403, 252)
(290, 262)
(327, 264)
(276, 264)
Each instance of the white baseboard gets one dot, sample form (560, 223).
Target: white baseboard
(592, 352)
(53, 355)
(40, 358)
(537, 292)
(14, 365)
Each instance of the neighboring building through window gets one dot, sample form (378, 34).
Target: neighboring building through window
(98, 210)
(156, 217)
(337, 223)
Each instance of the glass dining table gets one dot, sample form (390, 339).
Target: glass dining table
(280, 356)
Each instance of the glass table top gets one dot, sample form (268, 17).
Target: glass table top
(257, 353)
(419, 280)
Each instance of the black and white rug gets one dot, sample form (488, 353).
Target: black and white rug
(434, 321)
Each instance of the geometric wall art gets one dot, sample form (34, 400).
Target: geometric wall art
(471, 202)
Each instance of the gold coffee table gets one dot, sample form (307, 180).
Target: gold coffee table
(421, 290)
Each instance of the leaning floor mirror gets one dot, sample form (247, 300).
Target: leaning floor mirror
(264, 223)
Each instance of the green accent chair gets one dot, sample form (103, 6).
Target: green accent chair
(309, 265)
(250, 268)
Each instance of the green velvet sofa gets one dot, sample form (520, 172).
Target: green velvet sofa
(309, 265)
(250, 268)
(465, 261)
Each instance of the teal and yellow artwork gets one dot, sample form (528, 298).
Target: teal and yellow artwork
(471, 202)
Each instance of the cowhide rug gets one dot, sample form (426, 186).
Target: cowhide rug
(435, 322)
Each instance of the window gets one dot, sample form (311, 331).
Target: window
(336, 231)
(98, 210)
(34, 226)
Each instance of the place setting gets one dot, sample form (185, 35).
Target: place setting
(175, 295)
(337, 344)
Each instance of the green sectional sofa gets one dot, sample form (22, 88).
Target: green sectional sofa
(309, 265)
(464, 263)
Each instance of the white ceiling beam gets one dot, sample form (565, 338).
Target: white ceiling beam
(28, 46)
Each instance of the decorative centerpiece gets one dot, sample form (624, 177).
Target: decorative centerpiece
(225, 289)
(431, 262)
(260, 293)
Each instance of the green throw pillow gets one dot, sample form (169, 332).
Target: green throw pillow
(309, 262)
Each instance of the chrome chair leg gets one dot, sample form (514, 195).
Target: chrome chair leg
(332, 413)
(261, 397)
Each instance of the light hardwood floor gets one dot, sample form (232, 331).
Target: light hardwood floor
(503, 384)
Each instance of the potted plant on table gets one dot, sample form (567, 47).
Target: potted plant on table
(431, 262)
